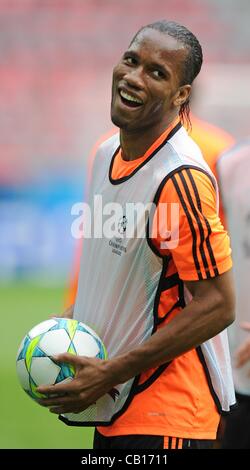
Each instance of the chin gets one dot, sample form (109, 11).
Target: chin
(118, 121)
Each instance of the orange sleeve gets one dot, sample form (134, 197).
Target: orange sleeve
(194, 236)
(212, 141)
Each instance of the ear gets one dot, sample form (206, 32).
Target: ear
(182, 95)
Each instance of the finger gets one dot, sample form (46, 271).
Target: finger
(59, 410)
(57, 401)
(58, 389)
(68, 409)
(68, 358)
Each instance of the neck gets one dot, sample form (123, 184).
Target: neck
(135, 143)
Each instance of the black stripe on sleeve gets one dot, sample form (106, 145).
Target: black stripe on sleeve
(199, 224)
(193, 231)
(209, 247)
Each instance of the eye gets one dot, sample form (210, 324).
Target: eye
(158, 74)
(129, 60)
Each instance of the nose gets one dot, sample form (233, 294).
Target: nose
(134, 77)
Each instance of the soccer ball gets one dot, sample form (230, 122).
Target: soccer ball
(35, 365)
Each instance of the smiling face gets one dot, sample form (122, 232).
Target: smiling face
(146, 89)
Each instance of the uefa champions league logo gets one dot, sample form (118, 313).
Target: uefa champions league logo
(122, 225)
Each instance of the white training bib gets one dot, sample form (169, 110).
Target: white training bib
(120, 276)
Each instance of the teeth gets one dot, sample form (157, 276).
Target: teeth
(129, 97)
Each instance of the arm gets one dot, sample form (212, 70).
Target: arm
(210, 311)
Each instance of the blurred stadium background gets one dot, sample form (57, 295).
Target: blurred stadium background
(56, 59)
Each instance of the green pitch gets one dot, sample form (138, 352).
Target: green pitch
(24, 424)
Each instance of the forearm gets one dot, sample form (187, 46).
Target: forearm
(191, 327)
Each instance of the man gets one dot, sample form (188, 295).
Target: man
(160, 301)
(233, 171)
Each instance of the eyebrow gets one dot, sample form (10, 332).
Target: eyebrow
(132, 53)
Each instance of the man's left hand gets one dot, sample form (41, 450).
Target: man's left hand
(92, 380)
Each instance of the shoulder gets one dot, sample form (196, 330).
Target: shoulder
(192, 175)
(190, 186)
(104, 152)
(188, 151)
(109, 145)
(102, 147)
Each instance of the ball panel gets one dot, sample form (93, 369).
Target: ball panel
(71, 327)
(67, 380)
(67, 371)
(66, 324)
(85, 345)
(38, 352)
(20, 349)
(72, 349)
(55, 342)
(33, 393)
(30, 349)
(86, 328)
(23, 374)
(43, 371)
(42, 328)
(21, 353)
(103, 353)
